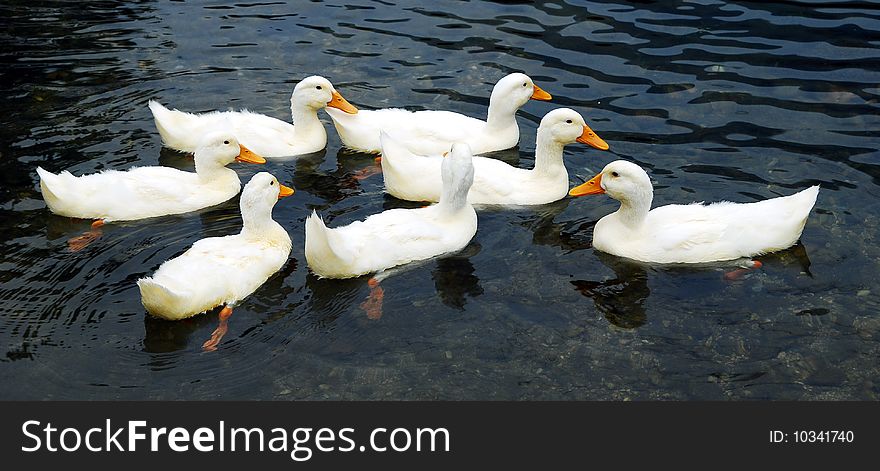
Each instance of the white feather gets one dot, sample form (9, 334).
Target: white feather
(144, 192)
(414, 177)
(222, 270)
(397, 236)
(265, 135)
(694, 233)
(434, 132)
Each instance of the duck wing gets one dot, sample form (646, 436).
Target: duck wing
(691, 229)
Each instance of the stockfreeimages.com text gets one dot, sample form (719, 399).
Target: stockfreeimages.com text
(298, 442)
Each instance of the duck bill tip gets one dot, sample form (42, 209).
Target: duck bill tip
(284, 191)
(539, 94)
(248, 156)
(341, 103)
(591, 139)
(591, 187)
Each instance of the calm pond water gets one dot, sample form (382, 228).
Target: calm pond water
(717, 100)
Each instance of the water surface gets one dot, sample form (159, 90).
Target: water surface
(718, 101)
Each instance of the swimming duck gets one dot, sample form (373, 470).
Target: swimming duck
(223, 270)
(417, 178)
(426, 132)
(264, 135)
(693, 233)
(144, 192)
(398, 236)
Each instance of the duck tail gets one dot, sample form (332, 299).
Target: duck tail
(390, 150)
(791, 213)
(48, 182)
(397, 164)
(53, 187)
(175, 127)
(319, 248)
(158, 299)
(804, 202)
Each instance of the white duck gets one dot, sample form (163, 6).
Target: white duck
(426, 132)
(223, 270)
(398, 236)
(417, 178)
(145, 192)
(265, 135)
(693, 233)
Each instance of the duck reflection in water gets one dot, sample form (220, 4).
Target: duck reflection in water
(333, 186)
(453, 277)
(163, 336)
(796, 254)
(330, 298)
(540, 220)
(356, 166)
(622, 299)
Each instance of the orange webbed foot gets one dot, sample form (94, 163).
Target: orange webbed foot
(740, 272)
(373, 304)
(75, 244)
(368, 172)
(222, 327)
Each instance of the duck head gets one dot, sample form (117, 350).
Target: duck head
(220, 149)
(565, 126)
(316, 92)
(259, 197)
(624, 181)
(517, 89)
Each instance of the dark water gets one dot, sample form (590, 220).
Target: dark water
(718, 100)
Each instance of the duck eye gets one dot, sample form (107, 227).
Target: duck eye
(568, 121)
(272, 183)
(318, 87)
(525, 85)
(615, 174)
(226, 142)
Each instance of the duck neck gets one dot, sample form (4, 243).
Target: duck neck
(209, 170)
(257, 221)
(501, 114)
(305, 119)
(634, 209)
(453, 199)
(548, 155)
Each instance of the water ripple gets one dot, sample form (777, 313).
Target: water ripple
(718, 101)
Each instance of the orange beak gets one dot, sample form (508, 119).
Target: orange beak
(341, 104)
(445, 153)
(539, 94)
(284, 191)
(592, 187)
(248, 156)
(590, 138)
